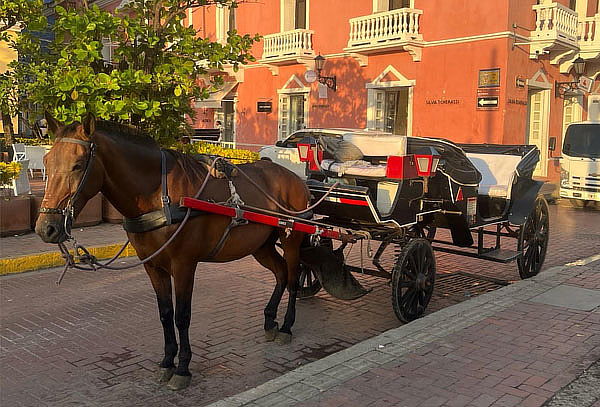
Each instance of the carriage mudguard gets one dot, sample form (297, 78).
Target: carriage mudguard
(523, 198)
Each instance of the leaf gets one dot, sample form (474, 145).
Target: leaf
(177, 91)
(74, 94)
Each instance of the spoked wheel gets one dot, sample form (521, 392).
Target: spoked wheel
(427, 232)
(533, 240)
(413, 280)
(308, 283)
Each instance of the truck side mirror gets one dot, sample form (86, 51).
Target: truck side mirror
(552, 144)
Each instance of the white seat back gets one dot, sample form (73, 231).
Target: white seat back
(378, 145)
(497, 172)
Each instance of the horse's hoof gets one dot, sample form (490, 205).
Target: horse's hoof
(283, 338)
(179, 382)
(165, 374)
(271, 334)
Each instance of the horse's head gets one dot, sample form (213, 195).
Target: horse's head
(74, 176)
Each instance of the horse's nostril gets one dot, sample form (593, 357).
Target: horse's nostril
(50, 230)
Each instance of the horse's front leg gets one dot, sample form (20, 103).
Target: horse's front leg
(183, 276)
(161, 281)
(291, 254)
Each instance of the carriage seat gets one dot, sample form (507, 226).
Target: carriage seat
(358, 168)
(378, 145)
(371, 145)
(498, 172)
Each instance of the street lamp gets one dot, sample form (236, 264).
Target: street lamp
(329, 81)
(562, 87)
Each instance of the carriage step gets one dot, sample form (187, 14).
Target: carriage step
(501, 255)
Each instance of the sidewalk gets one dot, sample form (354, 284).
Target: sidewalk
(534, 342)
(28, 252)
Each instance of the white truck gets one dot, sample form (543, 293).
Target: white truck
(580, 163)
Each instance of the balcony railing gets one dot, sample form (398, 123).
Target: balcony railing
(287, 45)
(555, 28)
(388, 30)
(589, 37)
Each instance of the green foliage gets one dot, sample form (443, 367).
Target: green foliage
(9, 171)
(235, 155)
(33, 141)
(157, 69)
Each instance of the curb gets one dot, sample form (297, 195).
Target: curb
(31, 262)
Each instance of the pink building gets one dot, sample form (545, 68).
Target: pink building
(469, 71)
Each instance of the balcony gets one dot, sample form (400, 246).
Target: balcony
(589, 37)
(555, 29)
(388, 31)
(288, 47)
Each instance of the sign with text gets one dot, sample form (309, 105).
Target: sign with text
(264, 107)
(489, 78)
(519, 82)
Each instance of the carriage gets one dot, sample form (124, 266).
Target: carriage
(398, 191)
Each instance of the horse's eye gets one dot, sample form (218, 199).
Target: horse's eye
(77, 167)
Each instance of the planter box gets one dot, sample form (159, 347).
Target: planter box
(14, 215)
(90, 215)
(109, 213)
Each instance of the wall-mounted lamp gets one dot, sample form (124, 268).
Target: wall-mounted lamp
(563, 87)
(329, 81)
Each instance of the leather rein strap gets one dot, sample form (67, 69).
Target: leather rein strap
(67, 211)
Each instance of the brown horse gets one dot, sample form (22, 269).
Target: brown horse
(91, 157)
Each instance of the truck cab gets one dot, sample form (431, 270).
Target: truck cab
(580, 163)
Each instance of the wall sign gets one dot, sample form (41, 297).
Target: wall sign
(517, 102)
(489, 78)
(442, 101)
(519, 82)
(264, 107)
(487, 102)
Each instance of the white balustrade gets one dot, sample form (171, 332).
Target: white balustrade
(555, 22)
(380, 28)
(288, 44)
(589, 33)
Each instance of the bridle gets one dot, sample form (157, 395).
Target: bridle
(68, 211)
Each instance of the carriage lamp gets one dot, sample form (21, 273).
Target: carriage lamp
(329, 81)
(563, 87)
(427, 159)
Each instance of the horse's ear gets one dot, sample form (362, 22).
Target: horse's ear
(89, 124)
(53, 124)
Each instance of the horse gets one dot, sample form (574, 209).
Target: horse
(92, 156)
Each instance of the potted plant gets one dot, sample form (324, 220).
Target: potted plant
(14, 210)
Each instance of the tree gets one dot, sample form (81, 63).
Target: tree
(159, 66)
(18, 15)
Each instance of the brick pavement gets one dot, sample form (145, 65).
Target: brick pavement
(500, 349)
(97, 338)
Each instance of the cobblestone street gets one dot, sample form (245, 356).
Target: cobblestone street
(96, 339)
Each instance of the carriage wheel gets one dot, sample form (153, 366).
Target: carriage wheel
(413, 279)
(308, 283)
(427, 232)
(533, 240)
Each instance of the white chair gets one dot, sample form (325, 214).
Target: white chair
(19, 152)
(35, 155)
(20, 185)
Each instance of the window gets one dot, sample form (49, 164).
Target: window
(294, 14)
(226, 21)
(292, 113)
(573, 4)
(300, 15)
(390, 109)
(396, 4)
(387, 5)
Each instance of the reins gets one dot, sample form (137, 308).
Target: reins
(85, 257)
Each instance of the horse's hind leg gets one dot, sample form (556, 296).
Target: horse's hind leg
(183, 276)
(268, 257)
(291, 254)
(161, 281)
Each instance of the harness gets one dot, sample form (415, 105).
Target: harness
(68, 210)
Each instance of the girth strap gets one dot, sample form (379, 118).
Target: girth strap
(235, 222)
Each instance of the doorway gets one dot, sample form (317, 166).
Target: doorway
(537, 126)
